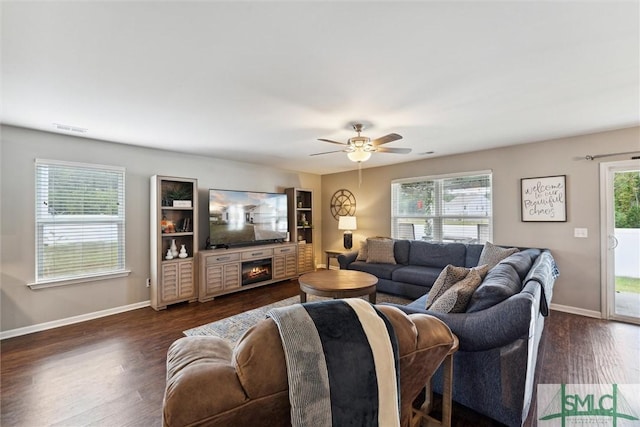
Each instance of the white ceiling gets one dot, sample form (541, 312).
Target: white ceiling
(260, 81)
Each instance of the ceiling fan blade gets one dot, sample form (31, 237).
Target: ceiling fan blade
(385, 139)
(332, 142)
(393, 150)
(327, 152)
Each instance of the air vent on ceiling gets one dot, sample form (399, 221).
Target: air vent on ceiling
(68, 128)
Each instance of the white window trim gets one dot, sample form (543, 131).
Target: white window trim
(74, 281)
(442, 176)
(87, 278)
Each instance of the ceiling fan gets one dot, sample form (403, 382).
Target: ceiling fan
(359, 148)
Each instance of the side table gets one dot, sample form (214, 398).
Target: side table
(333, 254)
(447, 390)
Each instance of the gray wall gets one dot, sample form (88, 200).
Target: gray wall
(21, 306)
(578, 258)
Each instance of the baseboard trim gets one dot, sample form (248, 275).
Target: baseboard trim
(576, 310)
(71, 320)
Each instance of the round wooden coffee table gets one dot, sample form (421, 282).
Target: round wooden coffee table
(338, 284)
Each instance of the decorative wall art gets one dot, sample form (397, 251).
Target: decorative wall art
(343, 203)
(544, 199)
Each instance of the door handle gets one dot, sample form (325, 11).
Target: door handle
(614, 242)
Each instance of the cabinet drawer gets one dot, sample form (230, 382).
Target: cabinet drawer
(216, 259)
(285, 250)
(258, 253)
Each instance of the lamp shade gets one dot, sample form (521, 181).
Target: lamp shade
(347, 223)
(359, 155)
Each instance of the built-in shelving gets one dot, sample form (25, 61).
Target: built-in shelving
(174, 246)
(301, 226)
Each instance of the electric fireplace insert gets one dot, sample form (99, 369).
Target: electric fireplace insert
(256, 271)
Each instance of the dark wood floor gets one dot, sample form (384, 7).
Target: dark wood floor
(111, 371)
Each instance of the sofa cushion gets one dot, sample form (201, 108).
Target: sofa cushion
(416, 275)
(501, 282)
(521, 261)
(473, 254)
(449, 276)
(401, 251)
(381, 271)
(493, 254)
(380, 251)
(456, 298)
(436, 254)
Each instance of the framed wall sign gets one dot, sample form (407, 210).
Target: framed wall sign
(544, 199)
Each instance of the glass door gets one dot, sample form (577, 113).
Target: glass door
(621, 263)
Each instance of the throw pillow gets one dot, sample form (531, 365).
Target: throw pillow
(493, 254)
(380, 251)
(448, 277)
(362, 253)
(456, 298)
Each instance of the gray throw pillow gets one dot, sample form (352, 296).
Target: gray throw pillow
(380, 251)
(362, 253)
(493, 254)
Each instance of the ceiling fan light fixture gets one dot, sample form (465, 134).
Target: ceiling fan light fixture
(359, 148)
(359, 141)
(359, 156)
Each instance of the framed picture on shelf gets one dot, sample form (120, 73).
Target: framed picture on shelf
(544, 199)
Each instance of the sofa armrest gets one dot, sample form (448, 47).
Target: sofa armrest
(494, 327)
(200, 367)
(545, 272)
(346, 259)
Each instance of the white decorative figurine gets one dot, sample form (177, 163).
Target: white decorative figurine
(183, 252)
(174, 248)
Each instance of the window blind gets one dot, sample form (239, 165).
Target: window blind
(80, 220)
(452, 208)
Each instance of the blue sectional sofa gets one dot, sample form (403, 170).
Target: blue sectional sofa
(500, 330)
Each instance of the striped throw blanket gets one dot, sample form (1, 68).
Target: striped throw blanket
(342, 364)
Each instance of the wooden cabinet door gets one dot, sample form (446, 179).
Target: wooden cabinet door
(186, 283)
(279, 267)
(220, 277)
(168, 291)
(291, 265)
(213, 279)
(232, 276)
(305, 258)
(177, 281)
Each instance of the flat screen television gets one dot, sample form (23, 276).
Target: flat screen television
(241, 218)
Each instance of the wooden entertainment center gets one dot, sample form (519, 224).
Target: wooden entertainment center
(223, 271)
(181, 272)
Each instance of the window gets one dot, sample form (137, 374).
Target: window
(80, 219)
(451, 208)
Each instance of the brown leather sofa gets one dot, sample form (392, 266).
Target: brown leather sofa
(209, 383)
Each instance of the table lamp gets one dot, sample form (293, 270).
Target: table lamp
(347, 223)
